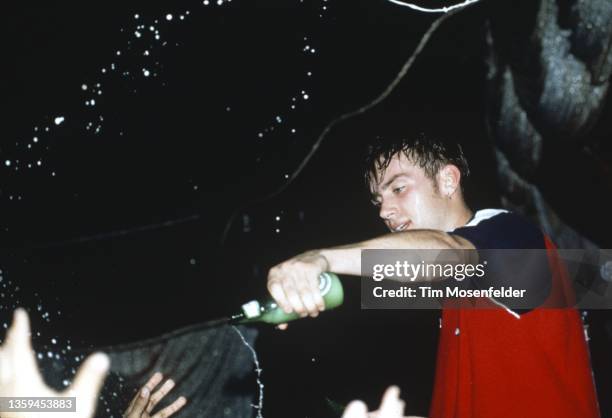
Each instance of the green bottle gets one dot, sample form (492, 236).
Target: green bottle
(269, 312)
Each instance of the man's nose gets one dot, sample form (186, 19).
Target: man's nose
(387, 211)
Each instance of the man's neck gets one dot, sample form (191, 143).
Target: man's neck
(462, 217)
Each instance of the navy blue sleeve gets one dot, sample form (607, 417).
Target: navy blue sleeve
(528, 270)
(503, 231)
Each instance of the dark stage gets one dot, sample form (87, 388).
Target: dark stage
(142, 145)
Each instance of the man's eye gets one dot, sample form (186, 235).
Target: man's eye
(376, 203)
(398, 189)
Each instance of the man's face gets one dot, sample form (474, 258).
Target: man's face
(408, 199)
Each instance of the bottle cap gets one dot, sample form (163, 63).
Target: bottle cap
(251, 309)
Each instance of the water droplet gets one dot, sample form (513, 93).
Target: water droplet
(168, 17)
(84, 87)
(7, 163)
(58, 120)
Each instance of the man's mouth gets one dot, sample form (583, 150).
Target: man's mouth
(400, 227)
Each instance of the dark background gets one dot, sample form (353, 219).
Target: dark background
(87, 243)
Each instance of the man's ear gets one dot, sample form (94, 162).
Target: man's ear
(449, 179)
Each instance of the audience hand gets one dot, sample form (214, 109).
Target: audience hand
(20, 377)
(391, 406)
(144, 401)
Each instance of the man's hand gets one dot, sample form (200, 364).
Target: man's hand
(294, 283)
(391, 406)
(19, 375)
(144, 401)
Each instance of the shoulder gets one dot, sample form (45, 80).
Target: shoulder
(500, 229)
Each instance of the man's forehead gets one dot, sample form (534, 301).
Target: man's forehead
(399, 165)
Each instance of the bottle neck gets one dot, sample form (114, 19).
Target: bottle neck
(237, 318)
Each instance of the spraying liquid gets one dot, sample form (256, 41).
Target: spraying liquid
(269, 312)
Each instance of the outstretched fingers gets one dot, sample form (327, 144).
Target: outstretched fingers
(88, 383)
(172, 408)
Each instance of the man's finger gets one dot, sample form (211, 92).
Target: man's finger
(356, 409)
(282, 326)
(158, 396)
(88, 382)
(18, 344)
(172, 408)
(141, 399)
(295, 300)
(305, 292)
(316, 294)
(18, 335)
(276, 290)
(139, 403)
(154, 381)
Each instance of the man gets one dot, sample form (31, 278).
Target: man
(491, 362)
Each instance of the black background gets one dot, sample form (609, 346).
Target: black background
(87, 244)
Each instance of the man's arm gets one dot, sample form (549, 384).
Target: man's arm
(346, 259)
(294, 282)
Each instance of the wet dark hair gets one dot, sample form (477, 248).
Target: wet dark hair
(428, 153)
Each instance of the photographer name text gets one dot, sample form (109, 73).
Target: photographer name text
(448, 292)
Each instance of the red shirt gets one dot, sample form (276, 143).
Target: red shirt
(493, 363)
